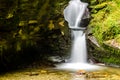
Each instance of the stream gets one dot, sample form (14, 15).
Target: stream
(108, 73)
(77, 67)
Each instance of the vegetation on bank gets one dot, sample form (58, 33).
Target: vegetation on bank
(36, 28)
(30, 29)
(105, 24)
(105, 20)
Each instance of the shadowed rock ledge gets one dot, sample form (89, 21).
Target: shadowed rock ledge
(106, 53)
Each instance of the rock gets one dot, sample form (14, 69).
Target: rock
(113, 43)
(81, 72)
(104, 54)
(93, 40)
(57, 59)
(43, 71)
(34, 74)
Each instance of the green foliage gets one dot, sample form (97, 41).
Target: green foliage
(111, 33)
(105, 24)
(30, 23)
(105, 20)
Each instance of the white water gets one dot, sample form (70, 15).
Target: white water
(79, 52)
(73, 14)
(78, 59)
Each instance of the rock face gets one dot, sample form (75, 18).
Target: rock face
(113, 43)
(105, 53)
(37, 26)
(103, 39)
(106, 29)
(31, 29)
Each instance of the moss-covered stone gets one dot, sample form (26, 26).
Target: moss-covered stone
(105, 27)
(105, 53)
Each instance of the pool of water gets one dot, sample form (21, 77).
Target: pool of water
(104, 74)
(108, 73)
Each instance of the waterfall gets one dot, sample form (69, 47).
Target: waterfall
(74, 13)
(78, 51)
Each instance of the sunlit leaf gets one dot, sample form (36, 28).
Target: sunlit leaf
(61, 23)
(62, 32)
(10, 15)
(20, 32)
(36, 29)
(23, 37)
(18, 46)
(32, 22)
(51, 25)
(22, 23)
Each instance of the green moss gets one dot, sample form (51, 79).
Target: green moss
(105, 22)
(108, 55)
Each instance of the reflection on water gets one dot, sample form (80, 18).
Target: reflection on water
(53, 74)
(106, 74)
(77, 77)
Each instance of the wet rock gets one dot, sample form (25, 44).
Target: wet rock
(32, 73)
(43, 71)
(93, 40)
(56, 59)
(81, 72)
(105, 53)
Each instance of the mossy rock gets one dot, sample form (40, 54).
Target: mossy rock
(106, 28)
(104, 54)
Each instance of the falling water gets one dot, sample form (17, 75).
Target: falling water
(74, 13)
(79, 52)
